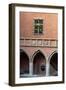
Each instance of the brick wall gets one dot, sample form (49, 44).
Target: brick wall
(50, 22)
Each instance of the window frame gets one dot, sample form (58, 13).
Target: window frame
(38, 25)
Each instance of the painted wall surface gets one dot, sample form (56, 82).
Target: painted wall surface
(50, 29)
(50, 22)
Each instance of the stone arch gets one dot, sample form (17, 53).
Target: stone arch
(24, 63)
(53, 59)
(39, 63)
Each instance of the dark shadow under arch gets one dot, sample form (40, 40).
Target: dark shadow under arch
(54, 64)
(39, 63)
(24, 63)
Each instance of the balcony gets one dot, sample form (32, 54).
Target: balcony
(51, 43)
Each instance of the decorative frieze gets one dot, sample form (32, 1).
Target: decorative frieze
(39, 42)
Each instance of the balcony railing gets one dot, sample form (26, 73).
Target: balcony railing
(39, 42)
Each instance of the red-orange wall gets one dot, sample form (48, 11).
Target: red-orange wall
(50, 25)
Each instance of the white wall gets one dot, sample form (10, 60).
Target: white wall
(4, 45)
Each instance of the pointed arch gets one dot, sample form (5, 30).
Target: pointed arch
(24, 63)
(38, 52)
(39, 63)
(54, 64)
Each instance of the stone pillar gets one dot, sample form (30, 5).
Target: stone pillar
(47, 67)
(30, 68)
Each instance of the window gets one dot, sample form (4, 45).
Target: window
(38, 26)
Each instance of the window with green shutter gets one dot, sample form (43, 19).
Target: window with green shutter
(38, 26)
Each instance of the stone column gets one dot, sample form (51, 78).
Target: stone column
(47, 67)
(30, 68)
